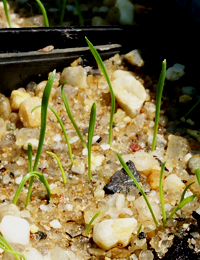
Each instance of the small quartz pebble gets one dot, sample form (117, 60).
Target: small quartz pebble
(34, 229)
(55, 224)
(5, 109)
(34, 142)
(173, 183)
(126, 12)
(78, 167)
(75, 76)
(129, 92)
(96, 160)
(16, 98)
(105, 146)
(134, 58)
(9, 209)
(175, 72)
(194, 163)
(32, 254)
(111, 232)
(28, 118)
(15, 230)
(58, 253)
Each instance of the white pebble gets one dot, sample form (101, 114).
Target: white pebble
(34, 229)
(120, 201)
(43, 207)
(85, 151)
(175, 72)
(25, 214)
(105, 146)
(18, 179)
(55, 224)
(32, 254)
(173, 182)
(15, 230)
(78, 167)
(111, 232)
(73, 139)
(95, 138)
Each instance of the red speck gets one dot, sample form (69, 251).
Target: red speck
(31, 236)
(61, 195)
(135, 147)
(32, 198)
(142, 110)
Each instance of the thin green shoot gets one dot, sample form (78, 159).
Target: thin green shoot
(81, 20)
(90, 136)
(7, 248)
(161, 194)
(46, 21)
(63, 12)
(45, 100)
(60, 166)
(30, 157)
(24, 180)
(92, 220)
(184, 192)
(196, 104)
(182, 204)
(158, 102)
(197, 172)
(7, 13)
(139, 229)
(138, 186)
(103, 69)
(63, 129)
(70, 114)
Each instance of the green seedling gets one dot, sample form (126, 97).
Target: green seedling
(6, 12)
(63, 12)
(46, 21)
(45, 100)
(139, 229)
(103, 69)
(7, 248)
(161, 194)
(158, 102)
(60, 166)
(92, 220)
(70, 114)
(138, 186)
(182, 204)
(29, 157)
(196, 104)
(24, 180)
(197, 172)
(184, 192)
(90, 136)
(63, 129)
(81, 21)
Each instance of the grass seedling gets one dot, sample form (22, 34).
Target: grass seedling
(81, 21)
(6, 12)
(45, 100)
(196, 104)
(29, 157)
(161, 194)
(184, 192)
(92, 220)
(24, 180)
(103, 69)
(70, 114)
(63, 129)
(182, 204)
(158, 102)
(138, 186)
(63, 12)
(46, 21)
(197, 172)
(90, 136)
(7, 248)
(60, 166)
(139, 229)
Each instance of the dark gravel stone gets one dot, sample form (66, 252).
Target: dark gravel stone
(120, 181)
(197, 217)
(41, 235)
(141, 235)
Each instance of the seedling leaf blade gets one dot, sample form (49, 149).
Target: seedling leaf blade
(92, 220)
(161, 194)
(103, 69)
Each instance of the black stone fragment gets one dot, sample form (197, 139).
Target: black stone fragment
(141, 235)
(180, 250)
(99, 140)
(120, 181)
(41, 235)
(197, 217)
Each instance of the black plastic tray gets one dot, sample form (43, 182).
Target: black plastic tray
(20, 62)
